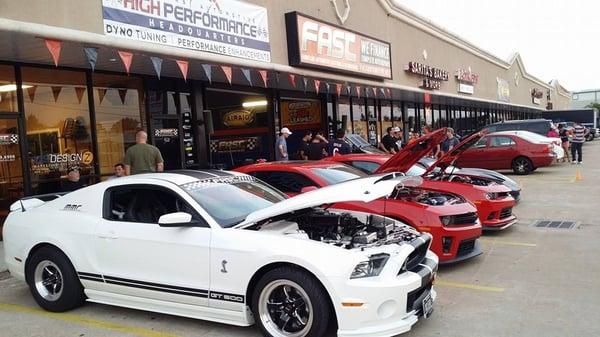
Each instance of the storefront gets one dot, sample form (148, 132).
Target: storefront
(213, 82)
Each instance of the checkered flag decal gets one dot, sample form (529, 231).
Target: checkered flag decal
(252, 142)
(14, 139)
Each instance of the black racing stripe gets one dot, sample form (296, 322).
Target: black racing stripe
(125, 284)
(151, 284)
(89, 274)
(87, 278)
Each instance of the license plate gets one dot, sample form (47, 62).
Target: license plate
(427, 306)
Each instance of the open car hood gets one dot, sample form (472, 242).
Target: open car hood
(450, 157)
(363, 189)
(411, 153)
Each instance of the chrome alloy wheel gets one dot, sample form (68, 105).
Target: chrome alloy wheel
(48, 280)
(285, 309)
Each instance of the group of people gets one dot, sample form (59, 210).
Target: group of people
(314, 146)
(139, 158)
(392, 142)
(573, 139)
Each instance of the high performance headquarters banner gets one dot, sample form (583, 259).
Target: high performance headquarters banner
(226, 27)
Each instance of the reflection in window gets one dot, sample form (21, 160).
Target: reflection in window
(344, 115)
(359, 118)
(8, 89)
(58, 126)
(119, 112)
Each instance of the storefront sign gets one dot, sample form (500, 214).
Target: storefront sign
(238, 118)
(467, 76)
(171, 132)
(226, 27)
(317, 44)
(300, 113)
(466, 88)
(503, 90)
(7, 157)
(234, 145)
(9, 139)
(536, 96)
(432, 76)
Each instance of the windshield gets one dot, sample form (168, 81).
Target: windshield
(337, 174)
(229, 200)
(416, 170)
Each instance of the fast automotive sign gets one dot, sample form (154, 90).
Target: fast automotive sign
(316, 44)
(226, 27)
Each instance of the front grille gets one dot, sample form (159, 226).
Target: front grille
(414, 300)
(465, 219)
(505, 212)
(465, 247)
(421, 245)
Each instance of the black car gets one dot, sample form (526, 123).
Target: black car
(593, 132)
(539, 126)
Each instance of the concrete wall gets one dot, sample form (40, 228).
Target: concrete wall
(366, 16)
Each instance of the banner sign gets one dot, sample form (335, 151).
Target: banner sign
(466, 88)
(316, 44)
(227, 27)
(503, 90)
(301, 113)
(433, 77)
(234, 145)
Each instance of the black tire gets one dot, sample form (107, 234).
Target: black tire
(71, 291)
(321, 309)
(522, 166)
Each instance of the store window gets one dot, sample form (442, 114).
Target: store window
(344, 115)
(119, 115)
(397, 116)
(359, 118)
(58, 127)
(240, 127)
(411, 115)
(8, 89)
(386, 119)
(300, 116)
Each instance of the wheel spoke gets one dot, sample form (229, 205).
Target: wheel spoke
(286, 293)
(48, 270)
(299, 319)
(286, 323)
(54, 286)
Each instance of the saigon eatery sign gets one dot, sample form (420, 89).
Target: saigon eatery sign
(316, 44)
(536, 96)
(432, 77)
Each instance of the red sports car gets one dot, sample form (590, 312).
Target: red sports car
(450, 218)
(494, 202)
(516, 150)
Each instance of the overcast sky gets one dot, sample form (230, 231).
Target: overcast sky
(557, 39)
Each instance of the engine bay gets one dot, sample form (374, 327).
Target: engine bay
(426, 197)
(464, 179)
(345, 229)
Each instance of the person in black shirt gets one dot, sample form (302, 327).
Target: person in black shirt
(339, 145)
(305, 145)
(318, 147)
(388, 142)
(73, 181)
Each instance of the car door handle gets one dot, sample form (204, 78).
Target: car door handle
(108, 235)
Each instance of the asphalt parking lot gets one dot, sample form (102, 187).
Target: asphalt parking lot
(529, 281)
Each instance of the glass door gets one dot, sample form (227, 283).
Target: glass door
(11, 165)
(167, 138)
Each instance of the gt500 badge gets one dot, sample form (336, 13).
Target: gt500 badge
(227, 297)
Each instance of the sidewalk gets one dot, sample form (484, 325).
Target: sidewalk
(2, 263)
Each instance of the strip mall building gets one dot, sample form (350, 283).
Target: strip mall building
(251, 67)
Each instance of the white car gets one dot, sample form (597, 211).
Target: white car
(557, 149)
(226, 247)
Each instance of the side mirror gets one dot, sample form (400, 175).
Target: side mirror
(177, 219)
(308, 189)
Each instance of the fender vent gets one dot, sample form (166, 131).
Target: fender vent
(555, 224)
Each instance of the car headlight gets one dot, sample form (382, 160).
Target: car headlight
(491, 196)
(370, 268)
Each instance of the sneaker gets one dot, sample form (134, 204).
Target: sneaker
(580, 163)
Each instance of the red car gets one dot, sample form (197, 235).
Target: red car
(494, 202)
(451, 219)
(509, 150)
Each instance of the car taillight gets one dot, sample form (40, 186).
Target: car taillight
(547, 148)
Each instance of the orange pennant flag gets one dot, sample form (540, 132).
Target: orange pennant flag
(228, 72)
(183, 66)
(126, 57)
(54, 47)
(263, 75)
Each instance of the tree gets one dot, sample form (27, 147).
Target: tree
(593, 106)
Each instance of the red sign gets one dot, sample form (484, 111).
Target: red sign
(317, 44)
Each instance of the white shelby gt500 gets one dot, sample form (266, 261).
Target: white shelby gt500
(226, 247)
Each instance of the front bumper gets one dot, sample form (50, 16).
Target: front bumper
(392, 305)
(496, 214)
(474, 252)
(502, 226)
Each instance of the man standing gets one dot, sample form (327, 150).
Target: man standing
(318, 147)
(398, 136)
(577, 143)
(388, 142)
(143, 157)
(305, 145)
(338, 145)
(281, 153)
(450, 141)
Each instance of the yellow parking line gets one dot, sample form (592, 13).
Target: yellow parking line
(510, 243)
(468, 286)
(82, 320)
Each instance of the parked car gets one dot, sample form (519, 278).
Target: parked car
(520, 151)
(451, 219)
(593, 132)
(539, 126)
(226, 247)
(492, 199)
